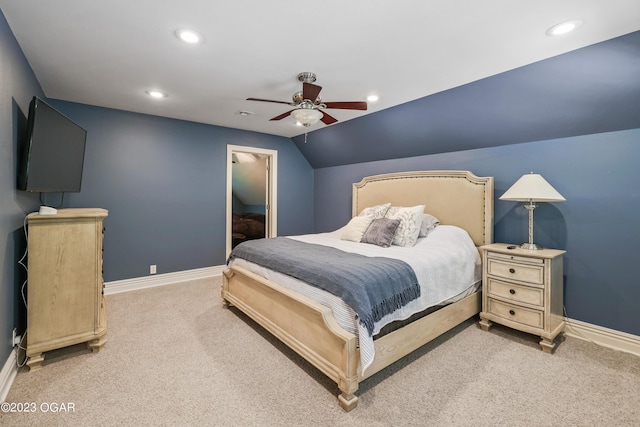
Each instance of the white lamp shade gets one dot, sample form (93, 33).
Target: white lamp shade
(532, 186)
(307, 116)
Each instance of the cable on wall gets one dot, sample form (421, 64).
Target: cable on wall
(23, 288)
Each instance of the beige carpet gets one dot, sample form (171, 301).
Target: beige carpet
(175, 357)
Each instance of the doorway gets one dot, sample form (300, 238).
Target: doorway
(251, 194)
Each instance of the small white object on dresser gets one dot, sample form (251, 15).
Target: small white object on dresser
(523, 289)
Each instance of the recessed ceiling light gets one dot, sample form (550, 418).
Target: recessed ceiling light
(563, 28)
(156, 94)
(189, 36)
(372, 98)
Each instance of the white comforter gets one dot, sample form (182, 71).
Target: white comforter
(446, 262)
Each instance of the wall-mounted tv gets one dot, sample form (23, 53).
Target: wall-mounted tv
(52, 153)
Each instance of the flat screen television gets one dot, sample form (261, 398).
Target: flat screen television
(52, 155)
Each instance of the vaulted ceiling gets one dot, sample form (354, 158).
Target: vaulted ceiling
(449, 74)
(591, 90)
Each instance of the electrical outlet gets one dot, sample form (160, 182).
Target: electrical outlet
(152, 269)
(15, 339)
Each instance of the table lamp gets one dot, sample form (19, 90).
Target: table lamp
(532, 188)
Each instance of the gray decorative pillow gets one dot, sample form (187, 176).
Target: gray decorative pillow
(429, 222)
(410, 222)
(381, 232)
(376, 212)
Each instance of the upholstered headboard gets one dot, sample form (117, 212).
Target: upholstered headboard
(454, 197)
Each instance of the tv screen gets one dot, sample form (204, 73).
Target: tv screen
(53, 152)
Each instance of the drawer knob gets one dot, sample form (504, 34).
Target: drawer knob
(511, 312)
(512, 270)
(512, 291)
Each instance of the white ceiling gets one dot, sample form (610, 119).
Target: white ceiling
(109, 53)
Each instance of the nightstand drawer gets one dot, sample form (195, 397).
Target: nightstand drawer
(515, 313)
(516, 293)
(516, 271)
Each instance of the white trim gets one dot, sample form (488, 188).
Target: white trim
(605, 337)
(8, 374)
(136, 283)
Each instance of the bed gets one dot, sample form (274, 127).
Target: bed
(458, 199)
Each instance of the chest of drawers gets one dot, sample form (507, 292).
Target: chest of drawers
(523, 289)
(65, 297)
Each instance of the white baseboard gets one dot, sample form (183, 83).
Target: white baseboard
(136, 283)
(8, 374)
(602, 336)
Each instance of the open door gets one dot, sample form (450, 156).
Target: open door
(251, 194)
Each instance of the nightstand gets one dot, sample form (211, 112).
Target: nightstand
(523, 289)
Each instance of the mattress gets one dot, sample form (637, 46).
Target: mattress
(446, 262)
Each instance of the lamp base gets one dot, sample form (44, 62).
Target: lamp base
(531, 246)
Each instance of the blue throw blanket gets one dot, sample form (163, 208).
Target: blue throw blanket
(372, 286)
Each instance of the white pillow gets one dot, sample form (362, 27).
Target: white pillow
(410, 222)
(356, 227)
(429, 222)
(376, 212)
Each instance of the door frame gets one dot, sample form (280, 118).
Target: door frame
(271, 207)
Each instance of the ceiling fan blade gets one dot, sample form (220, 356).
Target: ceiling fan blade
(327, 119)
(310, 91)
(269, 100)
(347, 105)
(281, 116)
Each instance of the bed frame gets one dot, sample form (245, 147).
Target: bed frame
(309, 328)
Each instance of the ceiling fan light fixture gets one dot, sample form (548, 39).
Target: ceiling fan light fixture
(307, 116)
(308, 105)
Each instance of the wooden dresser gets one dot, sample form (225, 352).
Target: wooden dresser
(65, 298)
(523, 289)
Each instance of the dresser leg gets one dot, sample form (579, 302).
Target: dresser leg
(547, 345)
(347, 401)
(35, 361)
(485, 324)
(97, 344)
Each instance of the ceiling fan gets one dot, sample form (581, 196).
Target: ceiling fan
(309, 106)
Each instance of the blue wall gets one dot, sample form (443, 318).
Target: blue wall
(598, 225)
(164, 184)
(17, 86)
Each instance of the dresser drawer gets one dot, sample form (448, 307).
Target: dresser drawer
(516, 271)
(516, 293)
(515, 313)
